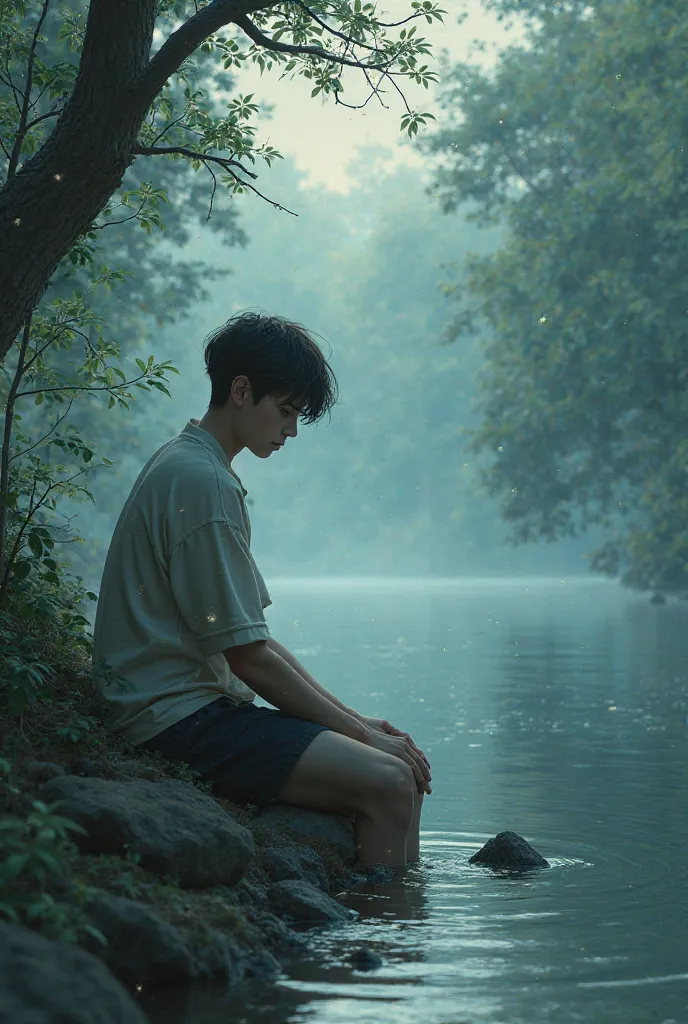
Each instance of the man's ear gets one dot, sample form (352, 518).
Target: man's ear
(240, 389)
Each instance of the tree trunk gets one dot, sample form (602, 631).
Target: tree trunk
(60, 191)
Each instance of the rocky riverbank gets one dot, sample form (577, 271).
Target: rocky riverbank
(174, 885)
(121, 872)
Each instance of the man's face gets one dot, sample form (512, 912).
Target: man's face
(266, 426)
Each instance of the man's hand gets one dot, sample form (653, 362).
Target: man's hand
(409, 752)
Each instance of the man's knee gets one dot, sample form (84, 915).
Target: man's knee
(391, 793)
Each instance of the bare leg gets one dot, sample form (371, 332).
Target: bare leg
(338, 773)
(413, 838)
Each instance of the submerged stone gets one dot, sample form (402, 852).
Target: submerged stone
(283, 863)
(303, 903)
(365, 959)
(509, 850)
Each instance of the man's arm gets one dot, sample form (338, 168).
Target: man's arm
(375, 723)
(274, 679)
(298, 667)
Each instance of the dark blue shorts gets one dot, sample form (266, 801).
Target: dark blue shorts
(247, 752)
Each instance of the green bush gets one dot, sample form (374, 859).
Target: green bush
(34, 853)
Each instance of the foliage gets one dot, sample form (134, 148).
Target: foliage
(576, 141)
(40, 46)
(33, 480)
(34, 855)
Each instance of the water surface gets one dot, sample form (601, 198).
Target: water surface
(556, 708)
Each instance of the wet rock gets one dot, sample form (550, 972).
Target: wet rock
(142, 948)
(41, 771)
(218, 955)
(176, 829)
(303, 903)
(658, 599)
(44, 982)
(508, 850)
(252, 894)
(364, 959)
(263, 966)
(336, 829)
(275, 932)
(282, 863)
(377, 874)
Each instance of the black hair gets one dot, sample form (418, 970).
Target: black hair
(278, 357)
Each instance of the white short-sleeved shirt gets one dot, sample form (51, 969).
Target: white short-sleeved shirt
(179, 586)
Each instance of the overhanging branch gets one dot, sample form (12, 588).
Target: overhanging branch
(182, 43)
(329, 28)
(207, 159)
(254, 33)
(224, 162)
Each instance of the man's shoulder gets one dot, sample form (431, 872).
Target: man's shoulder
(194, 481)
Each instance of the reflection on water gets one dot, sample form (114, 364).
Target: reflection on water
(554, 708)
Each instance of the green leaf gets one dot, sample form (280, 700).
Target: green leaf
(36, 544)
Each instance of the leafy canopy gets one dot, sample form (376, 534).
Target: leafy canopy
(577, 141)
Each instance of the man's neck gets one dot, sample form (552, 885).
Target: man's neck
(221, 430)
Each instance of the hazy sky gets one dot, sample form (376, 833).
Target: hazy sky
(324, 139)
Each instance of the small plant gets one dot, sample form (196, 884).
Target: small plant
(23, 680)
(79, 730)
(33, 856)
(181, 770)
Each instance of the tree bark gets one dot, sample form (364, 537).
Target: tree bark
(59, 192)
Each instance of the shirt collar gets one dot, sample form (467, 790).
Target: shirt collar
(193, 430)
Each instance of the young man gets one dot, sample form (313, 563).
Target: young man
(181, 644)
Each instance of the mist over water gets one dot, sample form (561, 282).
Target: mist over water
(554, 707)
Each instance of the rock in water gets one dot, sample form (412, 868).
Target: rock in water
(305, 904)
(365, 959)
(509, 850)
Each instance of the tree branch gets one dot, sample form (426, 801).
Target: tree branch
(521, 173)
(7, 79)
(254, 33)
(63, 326)
(26, 103)
(122, 220)
(404, 21)
(167, 127)
(51, 113)
(328, 28)
(7, 434)
(83, 387)
(18, 455)
(32, 511)
(207, 159)
(186, 40)
(224, 162)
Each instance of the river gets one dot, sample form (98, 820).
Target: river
(555, 708)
